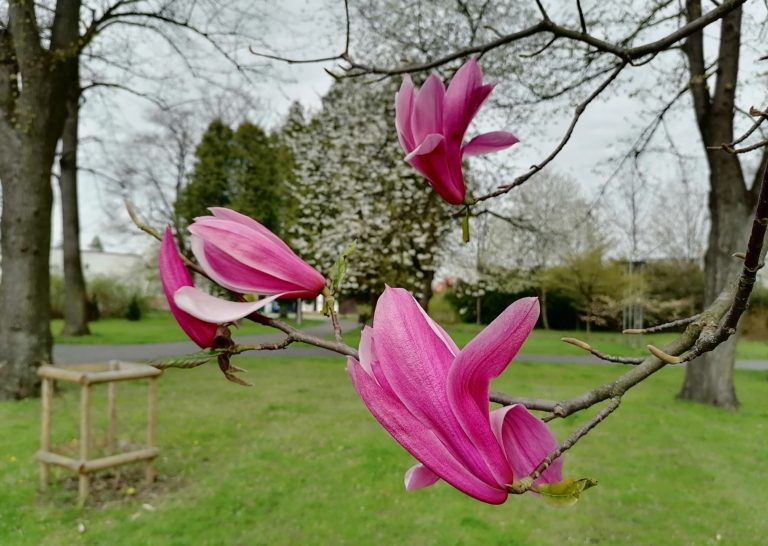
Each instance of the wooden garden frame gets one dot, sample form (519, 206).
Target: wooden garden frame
(87, 375)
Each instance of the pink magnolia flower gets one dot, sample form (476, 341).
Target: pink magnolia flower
(198, 313)
(243, 256)
(431, 123)
(433, 398)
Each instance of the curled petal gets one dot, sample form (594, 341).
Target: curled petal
(234, 275)
(212, 309)
(418, 477)
(461, 98)
(427, 146)
(173, 276)
(526, 441)
(427, 114)
(489, 142)
(482, 360)
(403, 111)
(255, 251)
(250, 223)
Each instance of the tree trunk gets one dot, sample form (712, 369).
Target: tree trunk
(543, 302)
(35, 84)
(75, 297)
(709, 378)
(25, 336)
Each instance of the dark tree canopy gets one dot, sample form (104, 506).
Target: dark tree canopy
(245, 169)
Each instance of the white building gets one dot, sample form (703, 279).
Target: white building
(96, 263)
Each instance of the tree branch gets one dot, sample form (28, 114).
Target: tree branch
(625, 54)
(566, 137)
(599, 354)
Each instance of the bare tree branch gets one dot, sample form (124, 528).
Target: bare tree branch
(627, 55)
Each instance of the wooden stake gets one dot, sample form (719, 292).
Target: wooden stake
(151, 423)
(112, 411)
(46, 394)
(85, 439)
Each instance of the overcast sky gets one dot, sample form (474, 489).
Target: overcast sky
(298, 30)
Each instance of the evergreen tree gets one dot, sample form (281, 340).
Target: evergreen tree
(245, 169)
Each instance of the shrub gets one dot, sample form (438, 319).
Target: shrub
(114, 297)
(133, 312)
(57, 296)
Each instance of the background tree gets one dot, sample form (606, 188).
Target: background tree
(32, 119)
(653, 50)
(246, 169)
(592, 281)
(352, 185)
(41, 45)
(75, 294)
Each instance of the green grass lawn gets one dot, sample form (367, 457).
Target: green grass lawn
(154, 327)
(297, 459)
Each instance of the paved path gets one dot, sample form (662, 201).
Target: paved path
(80, 354)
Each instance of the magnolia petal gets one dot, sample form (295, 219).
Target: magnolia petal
(418, 438)
(255, 250)
(365, 350)
(403, 111)
(526, 440)
(489, 142)
(418, 477)
(435, 166)
(174, 275)
(236, 276)
(460, 105)
(234, 216)
(427, 116)
(482, 360)
(415, 361)
(427, 146)
(212, 309)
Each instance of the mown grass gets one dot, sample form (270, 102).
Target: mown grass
(297, 459)
(159, 327)
(154, 327)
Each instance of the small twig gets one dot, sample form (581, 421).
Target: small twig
(563, 141)
(599, 354)
(136, 219)
(336, 325)
(663, 356)
(582, 21)
(265, 346)
(146, 228)
(577, 435)
(530, 403)
(662, 327)
(544, 14)
(761, 117)
(298, 335)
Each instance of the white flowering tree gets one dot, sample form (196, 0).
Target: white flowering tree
(354, 187)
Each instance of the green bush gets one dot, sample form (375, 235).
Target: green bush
(133, 312)
(57, 296)
(114, 297)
